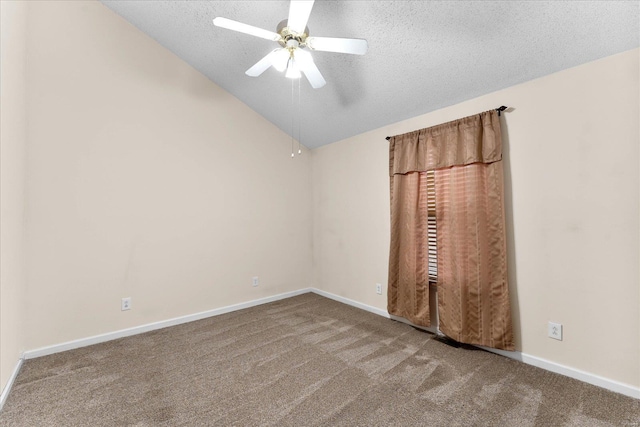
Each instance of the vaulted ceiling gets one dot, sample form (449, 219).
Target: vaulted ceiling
(423, 55)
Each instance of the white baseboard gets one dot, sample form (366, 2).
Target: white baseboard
(96, 339)
(548, 365)
(353, 303)
(369, 308)
(616, 386)
(12, 379)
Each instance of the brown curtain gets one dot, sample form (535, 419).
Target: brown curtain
(408, 289)
(473, 296)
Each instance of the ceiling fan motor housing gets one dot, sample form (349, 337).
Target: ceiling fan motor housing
(287, 35)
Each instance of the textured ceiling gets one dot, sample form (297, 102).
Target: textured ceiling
(422, 55)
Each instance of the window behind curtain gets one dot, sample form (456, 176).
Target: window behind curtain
(431, 226)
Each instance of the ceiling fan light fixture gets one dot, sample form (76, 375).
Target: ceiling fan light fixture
(293, 72)
(281, 59)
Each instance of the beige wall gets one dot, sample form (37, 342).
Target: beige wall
(572, 213)
(13, 146)
(146, 180)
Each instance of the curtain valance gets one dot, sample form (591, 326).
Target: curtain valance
(473, 139)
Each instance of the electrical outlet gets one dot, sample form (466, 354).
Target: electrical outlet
(255, 281)
(378, 288)
(555, 331)
(126, 303)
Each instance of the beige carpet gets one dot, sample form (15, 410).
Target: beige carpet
(304, 361)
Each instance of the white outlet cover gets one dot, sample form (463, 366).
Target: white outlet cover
(378, 288)
(555, 331)
(255, 281)
(126, 304)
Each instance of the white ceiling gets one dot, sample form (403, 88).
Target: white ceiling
(422, 55)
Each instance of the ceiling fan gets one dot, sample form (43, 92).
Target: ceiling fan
(293, 36)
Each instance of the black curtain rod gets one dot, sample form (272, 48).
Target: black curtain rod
(499, 110)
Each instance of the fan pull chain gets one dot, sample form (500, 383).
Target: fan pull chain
(292, 112)
(299, 117)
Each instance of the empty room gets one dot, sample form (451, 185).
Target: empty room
(329, 213)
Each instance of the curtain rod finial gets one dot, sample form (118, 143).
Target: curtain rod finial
(388, 138)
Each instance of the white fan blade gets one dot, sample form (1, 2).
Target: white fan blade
(247, 29)
(309, 68)
(262, 65)
(299, 12)
(332, 44)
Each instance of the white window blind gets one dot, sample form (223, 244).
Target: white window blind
(431, 227)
